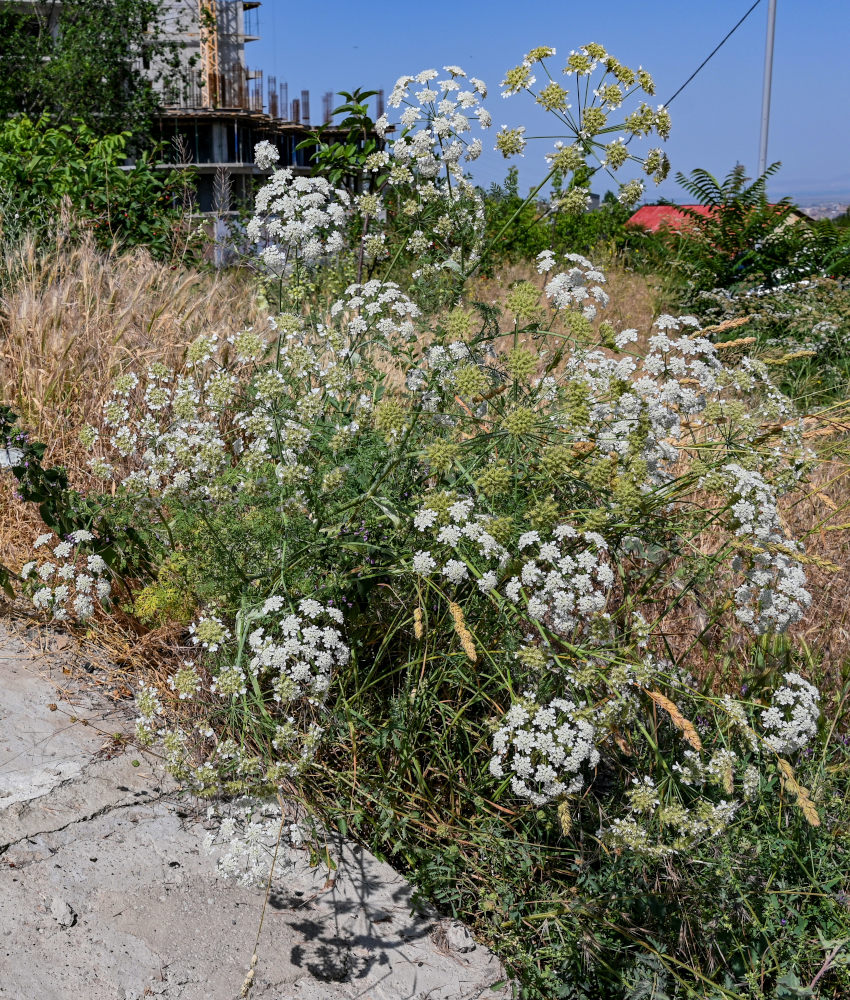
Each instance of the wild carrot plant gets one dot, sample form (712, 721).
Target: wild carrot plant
(438, 567)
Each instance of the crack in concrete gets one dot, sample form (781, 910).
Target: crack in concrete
(137, 918)
(86, 818)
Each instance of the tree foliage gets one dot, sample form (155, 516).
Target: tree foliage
(45, 166)
(98, 61)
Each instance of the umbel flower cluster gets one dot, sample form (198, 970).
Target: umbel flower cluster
(791, 720)
(297, 218)
(518, 503)
(589, 110)
(546, 749)
(74, 583)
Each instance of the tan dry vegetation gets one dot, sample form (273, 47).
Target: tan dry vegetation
(70, 321)
(633, 296)
(818, 515)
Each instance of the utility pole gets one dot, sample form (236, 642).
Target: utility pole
(768, 79)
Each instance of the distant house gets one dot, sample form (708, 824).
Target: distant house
(672, 218)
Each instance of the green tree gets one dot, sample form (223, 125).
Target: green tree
(100, 62)
(43, 166)
(25, 43)
(744, 236)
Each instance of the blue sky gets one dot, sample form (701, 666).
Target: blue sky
(330, 45)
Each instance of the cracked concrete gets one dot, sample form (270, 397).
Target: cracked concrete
(106, 892)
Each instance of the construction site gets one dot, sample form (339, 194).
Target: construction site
(215, 107)
(213, 122)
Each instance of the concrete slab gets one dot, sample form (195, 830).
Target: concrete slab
(106, 892)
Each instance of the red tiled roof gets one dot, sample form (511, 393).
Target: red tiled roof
(655, 217)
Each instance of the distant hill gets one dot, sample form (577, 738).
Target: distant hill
(825, 210)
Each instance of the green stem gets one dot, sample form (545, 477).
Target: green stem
(531, 195)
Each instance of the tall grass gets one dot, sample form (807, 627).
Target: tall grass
(72, 317)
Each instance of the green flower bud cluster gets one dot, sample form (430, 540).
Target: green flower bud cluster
(532, 657)
(88, 435)
(611, 94)
(577, 402)
(574, 201)
(494, 479)
(115, 411)
(444, 226)
(616, 154)
(606, 335)
(626, 493)
(418, 243)
(602, 474)
(400, 174)
(510, 141)
(332, 480)
(596, 520)
(249, 345)
(219, 391)
(369, 204)
(517, 79)
(657, 165)
(521, 364)
(289, 323)
(580, 326)
(640, 122)
(186, 681)
(524, 302)
(122, 385)
(558, 461)
(199, 350)
(291, 476)
(553, 97)
(440, 502)
(544, 514)
(630, 193)
(269, 385)
(539, 53)
(646, 82)
(624, 74)
(593, 121)
(520, 422)
(441, 455)
(338, 380)
(566, 159)
(471, 381)
(389, 416)
(580, 63)
(502, 529)
(373, 245)
(459, 324)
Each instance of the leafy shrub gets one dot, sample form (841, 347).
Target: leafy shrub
(744, 241)
(95, 61)
(44, 165)
(521, 231)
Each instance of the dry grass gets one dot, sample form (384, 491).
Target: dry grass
(817, 514)
(633, 296)
(69, 322)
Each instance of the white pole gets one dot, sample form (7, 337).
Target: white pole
(768, 77)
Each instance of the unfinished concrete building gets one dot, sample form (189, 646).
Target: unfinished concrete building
(217, 108)
(216, 111)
